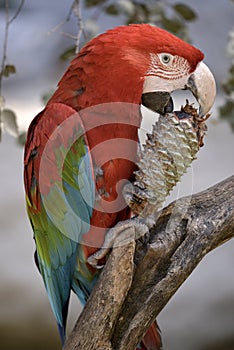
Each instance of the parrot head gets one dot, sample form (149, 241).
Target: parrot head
(140, 64)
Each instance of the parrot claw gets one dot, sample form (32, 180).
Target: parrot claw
(116, 236)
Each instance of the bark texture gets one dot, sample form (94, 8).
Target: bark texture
(140, 277)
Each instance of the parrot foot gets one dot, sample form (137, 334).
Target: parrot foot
(140, 227)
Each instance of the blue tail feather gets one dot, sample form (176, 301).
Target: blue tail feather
(62, 333)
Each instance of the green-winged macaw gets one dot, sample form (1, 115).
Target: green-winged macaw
(83, 146)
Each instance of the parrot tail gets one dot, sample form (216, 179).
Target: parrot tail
(152, 339)
(62, 333)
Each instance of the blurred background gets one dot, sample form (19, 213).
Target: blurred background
(201, 314)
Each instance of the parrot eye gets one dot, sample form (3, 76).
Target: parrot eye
(165, 58)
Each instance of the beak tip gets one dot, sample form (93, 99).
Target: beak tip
(203, 86)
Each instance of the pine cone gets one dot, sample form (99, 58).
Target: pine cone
(170, 149)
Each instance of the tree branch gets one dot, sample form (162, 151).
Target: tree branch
(130, 293)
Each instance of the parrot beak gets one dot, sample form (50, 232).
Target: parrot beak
(202, 85)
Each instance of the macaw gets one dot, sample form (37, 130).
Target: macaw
(82, 148)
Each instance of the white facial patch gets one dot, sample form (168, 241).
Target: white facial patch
(166, 75)
(155, 83)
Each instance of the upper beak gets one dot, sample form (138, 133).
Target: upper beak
(202, 84)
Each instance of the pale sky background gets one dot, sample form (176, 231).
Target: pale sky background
(202, 311)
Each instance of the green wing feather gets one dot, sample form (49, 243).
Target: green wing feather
(60, 195)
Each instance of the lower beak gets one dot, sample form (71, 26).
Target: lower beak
(202, 84)
(158, 101)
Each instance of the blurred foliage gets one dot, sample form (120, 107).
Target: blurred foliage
(227, 110)
(46, 96)
(172, 17)
(8, 118)
(12, 4)
(162, 13)
(68, 53)
(21, 139)
(8, 69)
